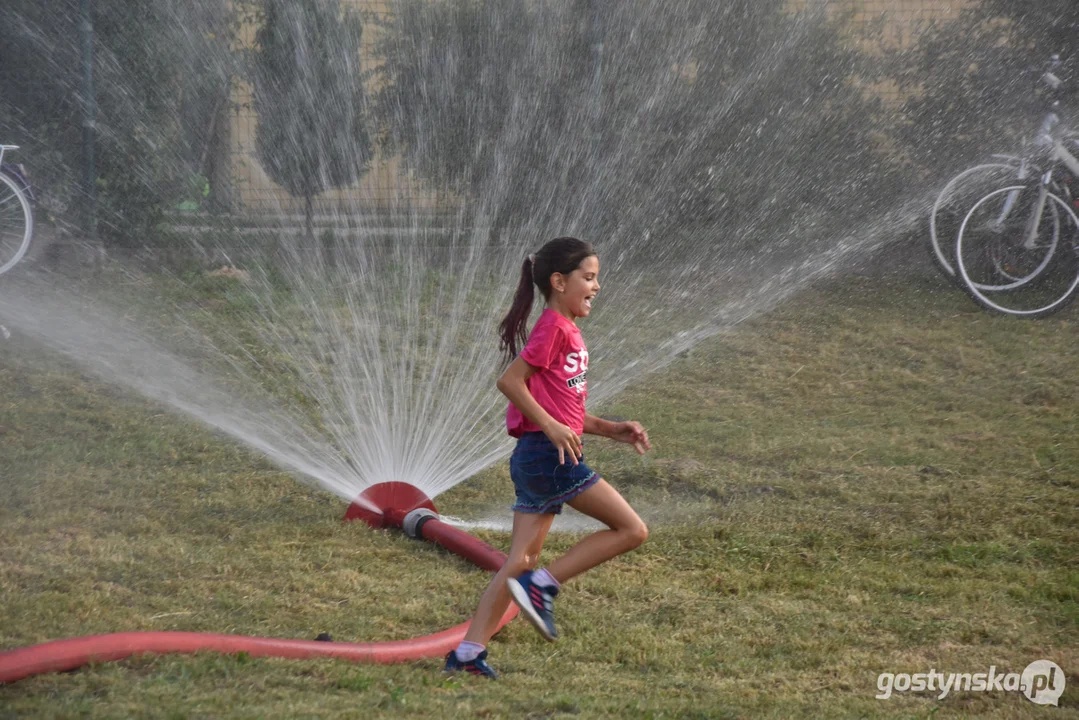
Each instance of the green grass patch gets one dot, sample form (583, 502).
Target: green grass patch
(874, 477)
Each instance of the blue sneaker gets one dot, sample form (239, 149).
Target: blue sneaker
(478, 666)
(536, 603)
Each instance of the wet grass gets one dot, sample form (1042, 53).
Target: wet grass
(874, 477)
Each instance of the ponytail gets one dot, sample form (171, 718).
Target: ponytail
(512, 330)
(561, 255)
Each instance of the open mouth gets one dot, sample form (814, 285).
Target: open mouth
(588, 301)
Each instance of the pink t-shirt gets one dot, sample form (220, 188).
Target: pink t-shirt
(560, 387)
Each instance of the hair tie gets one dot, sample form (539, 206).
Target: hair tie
(532, 258)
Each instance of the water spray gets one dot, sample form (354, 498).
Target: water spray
(382, 506)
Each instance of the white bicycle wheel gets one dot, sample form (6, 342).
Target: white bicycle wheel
(1009, 215)
(16, 223)
(1003, 272)
(956, 199)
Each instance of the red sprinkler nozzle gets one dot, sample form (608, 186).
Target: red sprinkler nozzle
(394, 499)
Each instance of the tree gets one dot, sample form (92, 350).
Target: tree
(309, 96)
(446, 83)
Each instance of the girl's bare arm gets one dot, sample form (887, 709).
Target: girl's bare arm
(628, 432)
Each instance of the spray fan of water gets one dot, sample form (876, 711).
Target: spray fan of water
(712, 152)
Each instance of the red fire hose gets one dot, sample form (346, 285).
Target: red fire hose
(403, 506)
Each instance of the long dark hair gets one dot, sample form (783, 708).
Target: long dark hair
(561, 255)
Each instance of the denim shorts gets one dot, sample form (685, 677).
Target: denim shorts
(542, 484)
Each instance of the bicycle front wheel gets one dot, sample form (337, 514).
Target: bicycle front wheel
(16, 223)
(1008, 265)
(955, 201)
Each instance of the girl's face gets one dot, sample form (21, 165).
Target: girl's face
(573, 293)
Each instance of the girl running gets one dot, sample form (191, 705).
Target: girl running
(547, 386)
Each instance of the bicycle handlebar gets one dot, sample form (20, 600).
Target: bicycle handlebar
(1052, 73)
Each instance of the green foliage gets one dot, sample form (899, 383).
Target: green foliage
(632, 116)
(447, 83)
(161, 72)
(765, 128)
(974, 81)
(309, 95)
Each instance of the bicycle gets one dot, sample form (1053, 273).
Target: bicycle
(961, 192)
(1017, 250)
(16, 215)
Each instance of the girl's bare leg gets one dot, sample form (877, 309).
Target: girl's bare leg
(627, 531)
(529, 532)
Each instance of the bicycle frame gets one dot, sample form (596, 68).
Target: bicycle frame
(1058, 154)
